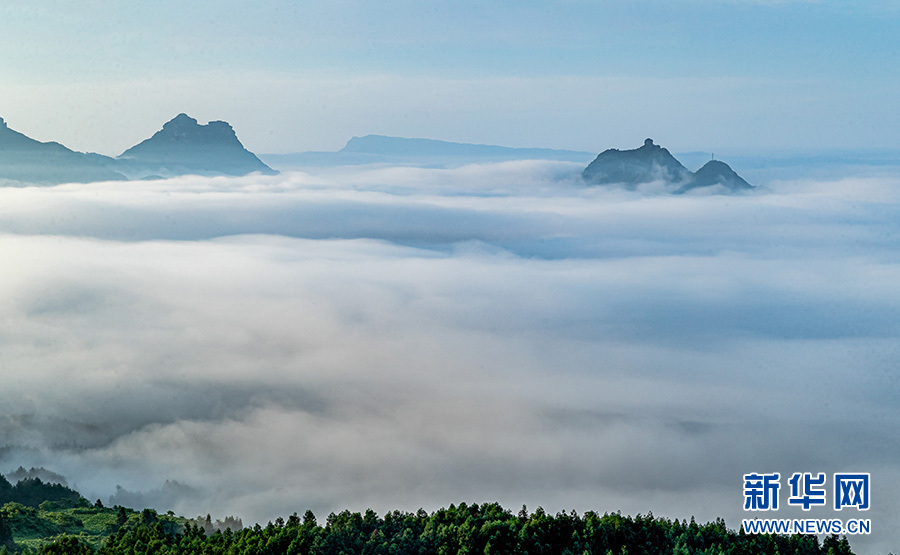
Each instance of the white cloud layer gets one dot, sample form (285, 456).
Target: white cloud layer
(398, 338)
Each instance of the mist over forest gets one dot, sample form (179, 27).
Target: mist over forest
(401, 337)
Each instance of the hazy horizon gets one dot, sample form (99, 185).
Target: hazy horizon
(693, 74)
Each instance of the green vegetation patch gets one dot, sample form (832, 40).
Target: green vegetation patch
(33, 528)
(470, 529)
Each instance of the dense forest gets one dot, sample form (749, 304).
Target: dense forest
(38, 518)
(31, 492)
(462, 529)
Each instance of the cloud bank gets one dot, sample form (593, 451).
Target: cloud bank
(398, 338)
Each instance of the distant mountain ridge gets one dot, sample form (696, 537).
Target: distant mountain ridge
(383, 144)
(181, 147)
(650, 163)
(383, 149)
(184, 146)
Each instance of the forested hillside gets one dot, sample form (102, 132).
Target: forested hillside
(32, 529)
(463, 529)
(33, 491)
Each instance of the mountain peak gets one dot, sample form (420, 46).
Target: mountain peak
(185, 128)
(648, 163)
(185, 146)
(652, 162)
(181, 120)
(716, 172)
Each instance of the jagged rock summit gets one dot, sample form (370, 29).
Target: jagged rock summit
(25, 160)
(632, 167)
(183, 146)
(653, 163)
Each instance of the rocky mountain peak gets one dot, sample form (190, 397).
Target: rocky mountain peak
(652, 162)
(180, 124)
(646, 164)
(183, 146)
(185, 128)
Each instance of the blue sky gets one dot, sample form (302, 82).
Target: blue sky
(293, 76)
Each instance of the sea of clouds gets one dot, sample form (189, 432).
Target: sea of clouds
(398, 338)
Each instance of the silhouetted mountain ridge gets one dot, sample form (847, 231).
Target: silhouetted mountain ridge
(383, 149)
(653, 163)
(181, 147)
(401, 146)
(25, 160)
(642, 165)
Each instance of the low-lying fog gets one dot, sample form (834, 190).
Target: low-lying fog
(398, 338)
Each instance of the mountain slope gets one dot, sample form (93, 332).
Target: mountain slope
(25, 160)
